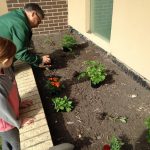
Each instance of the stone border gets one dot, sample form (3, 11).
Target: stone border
(37, 135)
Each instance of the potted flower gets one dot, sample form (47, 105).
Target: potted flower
(95, 71)
(68, 42)
(62, 104)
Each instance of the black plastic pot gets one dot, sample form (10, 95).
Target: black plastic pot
(96, 85)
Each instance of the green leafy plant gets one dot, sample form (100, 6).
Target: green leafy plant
(68, 42)
(95, 71)
(147, 123)
(115, 143)
(62, 104)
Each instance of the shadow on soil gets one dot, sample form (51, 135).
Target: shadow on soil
(55, 119)
(109, 78)
(126, 141)
(58, 55)
(141, 143)
(52, 117)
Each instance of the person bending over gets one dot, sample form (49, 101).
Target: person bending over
(17, 26)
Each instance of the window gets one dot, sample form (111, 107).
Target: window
(101, 17)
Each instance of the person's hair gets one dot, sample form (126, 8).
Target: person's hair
(7, 49)
(34, 7)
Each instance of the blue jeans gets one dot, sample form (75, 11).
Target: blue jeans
(10, 139)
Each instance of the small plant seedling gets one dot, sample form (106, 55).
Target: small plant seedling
(68, 42)
(147, 123)
(122, 119)
(95, 71)
(62, 104)
(116, 143)
(105, 115)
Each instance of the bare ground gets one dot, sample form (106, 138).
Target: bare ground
(89, 126)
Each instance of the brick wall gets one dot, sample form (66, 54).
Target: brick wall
(56, 14)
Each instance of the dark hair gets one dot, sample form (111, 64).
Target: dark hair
(34, 7)
(7, 49)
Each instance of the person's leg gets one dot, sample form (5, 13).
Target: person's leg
(5, 145)
(11, 140)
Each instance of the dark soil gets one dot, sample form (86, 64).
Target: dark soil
(91, 123)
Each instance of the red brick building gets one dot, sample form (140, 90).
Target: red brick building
(56, 14)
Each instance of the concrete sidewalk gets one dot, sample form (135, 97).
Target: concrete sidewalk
(37, 135)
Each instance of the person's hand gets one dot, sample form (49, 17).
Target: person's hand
(46, 59)
(44, 65)
(26, 121)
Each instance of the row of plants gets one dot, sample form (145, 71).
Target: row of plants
(54, 87)
(66, 105)
(96, 73)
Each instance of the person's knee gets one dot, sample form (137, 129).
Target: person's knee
(64, 146)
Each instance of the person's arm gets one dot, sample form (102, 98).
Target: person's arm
(6, 111)
(19, 38)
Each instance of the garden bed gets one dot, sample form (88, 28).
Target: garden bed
(92, 122)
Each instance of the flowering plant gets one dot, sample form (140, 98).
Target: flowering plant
(54, 84)
(54, 81)
(106, 147)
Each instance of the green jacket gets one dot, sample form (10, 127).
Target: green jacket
(15, 26)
